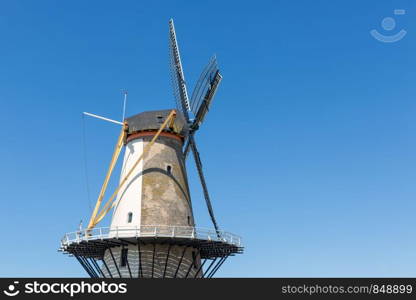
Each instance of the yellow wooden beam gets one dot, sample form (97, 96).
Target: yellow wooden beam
(113, 162)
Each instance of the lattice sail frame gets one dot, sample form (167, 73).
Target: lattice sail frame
(178, 78)
(203, 84)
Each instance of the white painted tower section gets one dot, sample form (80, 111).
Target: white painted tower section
(127, 210)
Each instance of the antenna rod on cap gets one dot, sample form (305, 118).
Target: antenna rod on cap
(124, 103)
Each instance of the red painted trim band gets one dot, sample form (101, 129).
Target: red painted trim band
(138, 135)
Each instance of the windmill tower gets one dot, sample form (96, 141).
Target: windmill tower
(152, 233)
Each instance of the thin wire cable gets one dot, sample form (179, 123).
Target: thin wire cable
(84, 146)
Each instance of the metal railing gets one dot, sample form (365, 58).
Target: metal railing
(151, 231)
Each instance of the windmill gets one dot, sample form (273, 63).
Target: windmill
(152, 233)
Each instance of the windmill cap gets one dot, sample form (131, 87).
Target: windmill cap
(152, 120)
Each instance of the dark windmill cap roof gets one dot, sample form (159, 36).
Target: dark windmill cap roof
(152, 120)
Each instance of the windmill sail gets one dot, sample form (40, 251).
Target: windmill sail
(204, 91)
(178, 78)
(201, 99)
(203, 84)
(203, 183)
(206, 102)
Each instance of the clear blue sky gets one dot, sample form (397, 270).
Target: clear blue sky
(309, 148)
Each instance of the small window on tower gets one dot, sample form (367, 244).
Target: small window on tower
(169, 170)
(129, 217)
(124, 253)
(189, 220)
